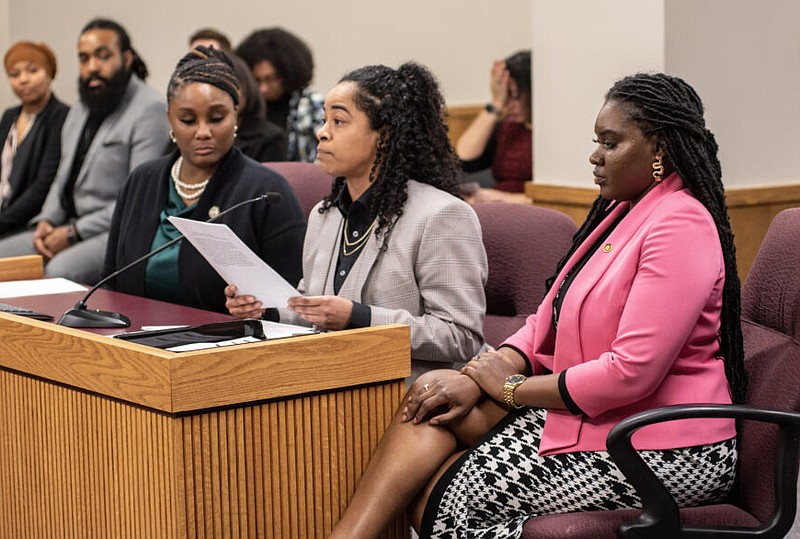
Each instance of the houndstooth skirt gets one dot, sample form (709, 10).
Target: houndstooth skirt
(496, 486)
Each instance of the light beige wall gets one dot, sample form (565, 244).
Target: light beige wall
(580, 48)
(742, 56)
(5, 92)
(457, 39)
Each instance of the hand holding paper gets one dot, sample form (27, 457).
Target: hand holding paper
(236, 262)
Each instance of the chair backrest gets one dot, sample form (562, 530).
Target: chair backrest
(770, 307)
(15, 268)
(310, 184)
(523, 245)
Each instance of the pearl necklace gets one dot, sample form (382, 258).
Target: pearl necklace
(198, 188)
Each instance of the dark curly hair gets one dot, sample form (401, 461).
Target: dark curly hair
(407, 109)
(669, 108)
(287, 53)
(207, 65)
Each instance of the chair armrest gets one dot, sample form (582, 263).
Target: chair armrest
(660, 516)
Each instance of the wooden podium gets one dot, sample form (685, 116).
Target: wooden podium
(104, 438)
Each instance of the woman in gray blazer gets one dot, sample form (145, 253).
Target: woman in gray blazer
(392, 242)
(30, 135)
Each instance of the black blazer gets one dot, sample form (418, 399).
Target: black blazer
(35, 164)
(274, 231)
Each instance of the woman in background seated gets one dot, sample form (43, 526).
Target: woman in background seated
(205, 176)
(30, 135)
(500, 136)
(257, 137)
(643, 312)
(392, 242)
(283, 67)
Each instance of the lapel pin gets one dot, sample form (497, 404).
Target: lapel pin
(213, 211)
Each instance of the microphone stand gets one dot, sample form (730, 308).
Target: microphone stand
(82, 317)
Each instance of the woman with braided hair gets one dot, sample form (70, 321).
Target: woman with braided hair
(392, 242)
(205, 175)
(643, 311)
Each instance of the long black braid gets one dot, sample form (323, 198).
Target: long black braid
(669, 108)
(207, 65)
(407, 109)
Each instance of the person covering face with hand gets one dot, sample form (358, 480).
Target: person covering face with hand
(500, 137)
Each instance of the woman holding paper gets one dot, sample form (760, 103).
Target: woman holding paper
(203, 177)
(392, 242)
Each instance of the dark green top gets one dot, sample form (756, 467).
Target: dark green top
(162, 280)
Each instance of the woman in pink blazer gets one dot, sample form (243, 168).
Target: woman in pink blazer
(642, 312)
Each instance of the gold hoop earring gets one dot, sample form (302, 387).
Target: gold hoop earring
(658, 168)
(172, 136)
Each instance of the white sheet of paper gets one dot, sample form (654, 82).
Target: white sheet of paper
(39, 287)
(277, 330)
(236, 262)
(205, 345)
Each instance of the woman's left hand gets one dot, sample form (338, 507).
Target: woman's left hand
(325, 312)
(242, 306)
(441, 397)
(489, 371)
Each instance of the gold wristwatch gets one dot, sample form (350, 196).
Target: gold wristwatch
(509, 387)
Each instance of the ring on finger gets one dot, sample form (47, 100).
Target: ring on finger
(426, 387)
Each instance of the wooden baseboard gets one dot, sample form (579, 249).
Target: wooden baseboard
(751, 210)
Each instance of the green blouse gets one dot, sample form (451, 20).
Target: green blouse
(161, 277)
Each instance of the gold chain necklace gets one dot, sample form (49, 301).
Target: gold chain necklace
(351, 247)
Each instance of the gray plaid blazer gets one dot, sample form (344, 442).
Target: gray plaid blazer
(431, 275)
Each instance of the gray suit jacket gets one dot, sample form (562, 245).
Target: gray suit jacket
(431, 275)
(133, 133)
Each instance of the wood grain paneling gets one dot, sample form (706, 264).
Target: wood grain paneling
(80, 465)
(173, 382)
(77, 465)
(751, 210)
(15, 268)
(458, 119)
(104, 438)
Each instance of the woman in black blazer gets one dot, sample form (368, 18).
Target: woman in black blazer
(30, 135)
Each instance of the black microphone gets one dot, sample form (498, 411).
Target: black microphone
(81, 317)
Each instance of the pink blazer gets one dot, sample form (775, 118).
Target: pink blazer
(638, 328)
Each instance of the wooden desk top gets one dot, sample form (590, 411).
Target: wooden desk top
(141, 311)
(182, 382)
